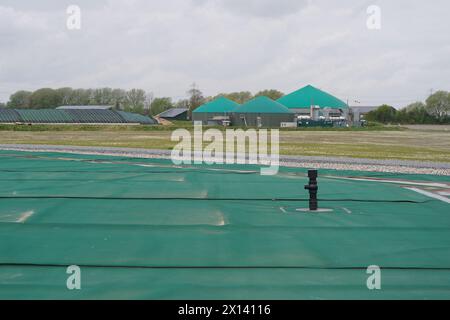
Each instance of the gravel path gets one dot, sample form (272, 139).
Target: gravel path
(393, 166)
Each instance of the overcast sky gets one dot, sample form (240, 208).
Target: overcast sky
(163, 46)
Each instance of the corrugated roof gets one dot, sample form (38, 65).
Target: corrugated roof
(9, 116)
(172, 113)
(262, 105)
(308, 96)
(84, 108)
(44, 116)
(136, 118)
(219, 105)
(72, 116)
(95, 116)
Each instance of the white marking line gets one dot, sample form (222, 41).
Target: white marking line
(444, 193)
(151, 165)
(347, 210)
(24, 216)
(426, 184)
(221, 219)
(430, 194)
(316, 211)
(283, 210)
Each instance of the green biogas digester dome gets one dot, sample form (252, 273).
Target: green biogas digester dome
(262, 112)
(219, 105)
(214, 112)
(310, 96)
(263, 105)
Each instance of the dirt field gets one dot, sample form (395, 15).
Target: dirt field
(428, 127)
(422, 145)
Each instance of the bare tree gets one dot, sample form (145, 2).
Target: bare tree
(196, 98)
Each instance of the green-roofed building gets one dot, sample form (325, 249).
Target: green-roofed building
(215, 112)
(262, 112)
(72, 115)
(302, 101)
(43, 116)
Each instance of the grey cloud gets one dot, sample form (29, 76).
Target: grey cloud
(163, 46)
(258, 8)
(50, 5)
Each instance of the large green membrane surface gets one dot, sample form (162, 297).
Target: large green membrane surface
(146, 229)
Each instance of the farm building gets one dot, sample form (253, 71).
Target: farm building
(301, 102)
(262, 112)
(305, 104)
(173, 114)
(71, 116)
(215, 112)
(359, 112)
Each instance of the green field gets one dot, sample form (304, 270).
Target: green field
(426, 144)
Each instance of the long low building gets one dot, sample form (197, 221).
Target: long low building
(72, 116)
(174, 114)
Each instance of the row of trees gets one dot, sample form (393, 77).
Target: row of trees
(435, 110)
(244, 96)
(196, 99)
(135, 100)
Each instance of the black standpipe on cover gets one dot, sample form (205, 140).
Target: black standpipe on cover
(313, 189)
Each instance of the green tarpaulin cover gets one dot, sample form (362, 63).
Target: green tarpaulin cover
(146, 229)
